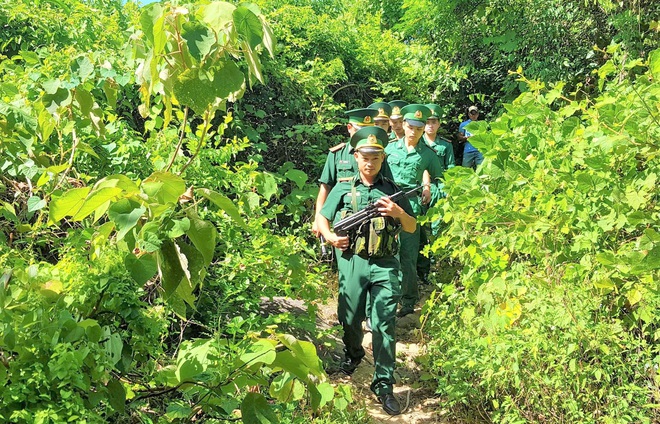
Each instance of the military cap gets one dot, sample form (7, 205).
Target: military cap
(435, 110)
(384, 110)
(416, 114)
(369, 140)
(396, 108)
(362, 117)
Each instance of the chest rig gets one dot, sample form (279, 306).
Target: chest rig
(375, 238)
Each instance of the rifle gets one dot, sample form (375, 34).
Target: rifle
(353, 222)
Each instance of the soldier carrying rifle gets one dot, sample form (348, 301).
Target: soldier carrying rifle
(366, 260)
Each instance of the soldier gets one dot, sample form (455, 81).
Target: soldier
(340, 165)
(408, 159)
(445, 153)
(383, 118)
(366, 261)
(396, 119)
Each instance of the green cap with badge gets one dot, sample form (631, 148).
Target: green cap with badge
(436, 110)
(362, 117)
(369, 140)
(416, 114)
(397, 105)
(384, 110)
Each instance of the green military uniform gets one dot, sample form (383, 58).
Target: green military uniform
(445, 152)
(361, 275)
(408, 171)
(340, 165)
(395, 113)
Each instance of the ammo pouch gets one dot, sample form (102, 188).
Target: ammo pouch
(376, 238)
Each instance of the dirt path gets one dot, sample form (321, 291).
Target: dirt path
(416, 394)
(415, 389)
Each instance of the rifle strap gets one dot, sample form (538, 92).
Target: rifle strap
(354, 198)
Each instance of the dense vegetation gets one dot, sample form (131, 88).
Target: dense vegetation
(157, 171)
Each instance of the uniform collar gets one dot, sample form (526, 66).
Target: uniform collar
(358, 180)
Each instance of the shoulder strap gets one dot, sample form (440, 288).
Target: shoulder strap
(337, 148)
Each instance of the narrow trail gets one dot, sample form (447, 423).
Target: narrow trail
(415, 388)
(415, 393)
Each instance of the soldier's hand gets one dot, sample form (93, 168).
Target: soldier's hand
(340, 242)
(315, 228)
(387, 207)
(426, 195)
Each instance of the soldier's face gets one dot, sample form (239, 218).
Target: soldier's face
(396, 124)
(431, 127)
(369, 164)
(383, 124)
(412, 133)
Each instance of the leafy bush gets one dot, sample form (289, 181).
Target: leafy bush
(558, 236)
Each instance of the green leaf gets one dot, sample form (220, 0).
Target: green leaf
(85, 101)
(217, 14)
(297, 176)
(654, 64)
(120, 181)
(199, 39)
(256, 410)
(92, 329)
(113, 347)
(164, 187)
(266, 185)
(172, 265)
(98, 201)
(68, 204)
(125, 213)
(82, 67)
(142, 268)
(305, 352)
(203, 91)
(260, 352)
(35, 203)
(225, 204)
(61, 97)
(248, 25)
(116, 395)
(203, 235)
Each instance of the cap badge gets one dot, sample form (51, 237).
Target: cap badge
(381, 111)
(367, 119)
(418, 114)
(396, 110)
(372, 139)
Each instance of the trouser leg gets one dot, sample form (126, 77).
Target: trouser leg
(353, 280)
(408, 252)
(385, 293)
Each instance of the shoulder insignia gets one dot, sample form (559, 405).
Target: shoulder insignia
(337, 148)
(345, 179)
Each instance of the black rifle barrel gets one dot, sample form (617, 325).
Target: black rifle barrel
(354, 221)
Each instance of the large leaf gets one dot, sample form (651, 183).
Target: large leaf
(97, 200)
(225, 204)
(217, 14)
(172, 265)
(68, 204)
(199, 39)
(654, 64)
(203, 91)
(125, 213)
(203, 235)
(248, 25)
(256, 410)
(142, 268)
(164, 187)
(266, 185)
